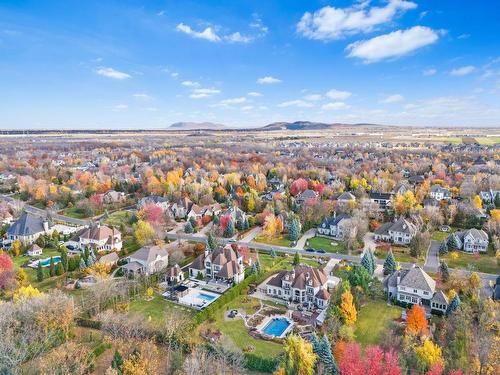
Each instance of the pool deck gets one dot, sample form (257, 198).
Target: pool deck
(266, 321)
(192, 298)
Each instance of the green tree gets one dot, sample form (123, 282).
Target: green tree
(240, 225)
(39, 272)
(64, 260)
(444, 271)
(188, 228)
(452, 242)
(453, 305)
(443, 248)
(294, 230)
(59, 269)
(117, 362)
(211, 241)
(296, 259)
(367, 262)
(390, 263)
(229, 231)
(52, 269)
(325, 355)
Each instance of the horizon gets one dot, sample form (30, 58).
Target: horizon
(131, 65)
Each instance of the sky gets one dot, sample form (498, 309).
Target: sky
(68, 64)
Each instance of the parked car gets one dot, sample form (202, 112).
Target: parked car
(321, 251)
(309, 250)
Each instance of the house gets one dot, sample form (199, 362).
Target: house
(305, 196)
(383, 200)
(174, 275)
(180, 208)
(345, 199)
(146, 260)
(113, 196)
(100, 237)
(109, 259)
(334, 226)
(303, 284)
(401, 189)
(35, 250)
(29, 227)
(414, 286)
(235, 213)
(161, 202)
(416, 180)
(224, 264)
(439, 193)
(400, 232)
(199, 212)
(275, 184)
(471, 240)
(488, 197)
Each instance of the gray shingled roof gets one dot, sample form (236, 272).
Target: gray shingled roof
(418, 279)
(28, 224)
(148, 253)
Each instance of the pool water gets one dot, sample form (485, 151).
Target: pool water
(205, 297)
(276, 327)
(46, 262)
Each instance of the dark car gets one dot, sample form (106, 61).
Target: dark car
(309, 250)
(321, 251)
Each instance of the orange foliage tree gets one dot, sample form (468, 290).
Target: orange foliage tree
(416, 321)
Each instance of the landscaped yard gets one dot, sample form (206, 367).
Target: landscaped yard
(440, 236)
(373, 318)
(236, 334)
(157, 307)
(326, 244)
(483, 263)
(276, 241)
(116, 219)
(76, 212)
(401, 253)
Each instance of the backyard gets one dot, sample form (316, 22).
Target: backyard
(156, 308)
(373, 318)
(327, 244)
(486, 263)
(401, 253)
(276, 241)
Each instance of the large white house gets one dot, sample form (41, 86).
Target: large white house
(100, 237)
(335, 226)
(28, 228)
(414, 286)
(304, 284)
(471, 240)
(146, 260)
(439, 193)
(224, 264)
(400, 232)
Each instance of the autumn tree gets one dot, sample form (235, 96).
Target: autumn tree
(6, 271)
(347, 309)
(416, 321)
(299, 356)
(428, 354)
(143, 232)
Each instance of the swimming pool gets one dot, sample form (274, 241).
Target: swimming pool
(46, 262)
(205, 297)
(276, 327)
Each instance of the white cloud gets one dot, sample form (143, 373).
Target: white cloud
(296, 103)
(392, 45)
(161, 13)
(233, 101)
(462, 71)
(207, 34)
(203, 93)
(112, 73)
(247, 108)
(313, 97)
(254, 94)
(142, 96)
(259, 25)
(120, 107)
(335, 106)
(396, 98)
(429, 72)
(238, 38)
(338, 94)
(190, 84)
(174, 74)
(333, 23)
(268, 80)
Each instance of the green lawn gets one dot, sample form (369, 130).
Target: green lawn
(488, 141)
(157, 307)
(373, 319)
(277, 241)
(401, 253)
(119, 217)
(326, 244)
(440, 236)
(235, 333)
(483, 263)
(75, 212)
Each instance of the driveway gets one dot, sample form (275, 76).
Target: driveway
(251, 234)
(203, 231)
(369, 240)
(302, 240)
(432, 258)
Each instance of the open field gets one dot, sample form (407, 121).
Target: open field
(326, 244)
(483, 262)
(401, 253)
(373, 318)
(277, 241)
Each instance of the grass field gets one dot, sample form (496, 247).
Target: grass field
(326, 244)
(277, 241)
(157, 308)
(483, 263)
(119, 217)
(75, 212)
(401, 253)
(373, 318)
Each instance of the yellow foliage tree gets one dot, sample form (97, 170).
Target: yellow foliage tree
(16, 248)
(100, 269)
(347, 309)
(143, 232)
(428, 354)
(26, 292)
(270, 226)
(477, 202)
(299, 356)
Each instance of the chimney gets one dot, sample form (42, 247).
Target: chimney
(398, 278)
(45, 225)
(334, 214)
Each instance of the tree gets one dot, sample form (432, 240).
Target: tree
(444, 271)
(16, 248)
(52, 268)
(359, 277)
(294, 230)
(64, 260)
(443, 248)
(229, 231)
(428, 354)
(296, 259)
(477, 202)
(350, 362)
(188, 228)
(26, 292)
(299, 356)
(82, 264)
(39, 272)
(416, 321)
(143, 232)
(452, 242)
(211, 241)
(117, 362)
(367, 262)
(324, 352)
(6, 270)
(419, 244)
(59, 269)
(389, 263)
(347, 309)
(454, 304)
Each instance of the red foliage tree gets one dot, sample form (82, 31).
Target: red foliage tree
(298, 186)
(373, 362)
(351, 363)
(224, 220)
(6, 270)
(436, 369)
(391, 361)
(153, 214)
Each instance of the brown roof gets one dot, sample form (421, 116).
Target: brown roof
(98, 233)
(198, 263)
(323, 294)
(301, 276)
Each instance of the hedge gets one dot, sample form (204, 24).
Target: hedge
(89, 323)
(256, 363)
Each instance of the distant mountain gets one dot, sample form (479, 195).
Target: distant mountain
(197, 126)
(306, 125)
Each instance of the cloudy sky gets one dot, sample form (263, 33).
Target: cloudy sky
(147, 64)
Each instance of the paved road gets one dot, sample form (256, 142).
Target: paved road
(432, 258)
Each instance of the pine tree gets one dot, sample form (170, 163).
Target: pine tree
(390, 263)
(59, 269)
(272, 253)
(64, 260)
(257, 266)
(188, 227)
(444, 271)
(83, 265)
(39, 272)
(296, 259)
(452, 242)
(315, 343)
(52, 269)
(366, 262)
(325, 355)
(443, 248)
(117, 362)
(211, 241)
(246, 224)
(454, 304)
(229, 231)
(239, 225)
(192, 220)
(294, 230)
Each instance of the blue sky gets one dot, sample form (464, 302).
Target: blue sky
(147, 64)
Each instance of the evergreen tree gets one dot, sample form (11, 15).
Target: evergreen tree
(452, 242)
(454, 304)
(444, 271)
(89, 263)
(117, 362)
(296, 259)
(64, 260)
(39, 272)
(229, 231)
(367, 262)
(443, 248)
(246, 224)
(216, 220)
(257, 266)
(272, 253)
(315, 343)
(294, 230)
(59, 269)
(83, 265)
(497, 200)
(325, 355)
(390, 263)
(192, 220)
(211, 241)
(52, 269)
(86, 253)
(240, 225)
(188, 228)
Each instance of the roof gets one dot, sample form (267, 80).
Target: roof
(28, 224)
(334, 220)
(346, 196)
(323, 294)
(417, 278)
(300, 277)
(378, 195)
(198, 263)
(148, 254)
(132, 266)
(109, 258)
(403, 225)
(174, 271)
(440, 297)
(383, 229)
(98, 232)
